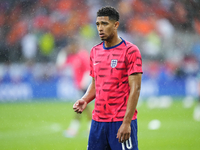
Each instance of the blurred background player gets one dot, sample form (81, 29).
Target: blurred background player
(75, 61)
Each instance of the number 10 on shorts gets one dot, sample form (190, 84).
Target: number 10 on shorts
(128, 144)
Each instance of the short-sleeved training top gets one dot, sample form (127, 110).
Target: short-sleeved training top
(110, 68)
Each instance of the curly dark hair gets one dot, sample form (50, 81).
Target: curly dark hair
(109, 11)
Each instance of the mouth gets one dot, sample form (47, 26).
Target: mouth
(101, 35)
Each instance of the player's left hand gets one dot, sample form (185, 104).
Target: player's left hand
(124, 132)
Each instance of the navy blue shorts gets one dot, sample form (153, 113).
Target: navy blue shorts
(103, 136)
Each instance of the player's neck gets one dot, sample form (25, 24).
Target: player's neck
(115, 40)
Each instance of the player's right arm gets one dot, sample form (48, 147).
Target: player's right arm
(90, 94)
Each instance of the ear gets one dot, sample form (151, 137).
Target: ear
(116, 25)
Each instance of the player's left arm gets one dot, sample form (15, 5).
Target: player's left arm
(124, 131)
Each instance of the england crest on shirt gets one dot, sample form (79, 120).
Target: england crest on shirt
(113, 63)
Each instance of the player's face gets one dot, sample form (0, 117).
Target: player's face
(105, 28)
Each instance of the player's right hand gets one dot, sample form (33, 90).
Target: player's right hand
(79, 106)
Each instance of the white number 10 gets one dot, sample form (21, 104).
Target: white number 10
(128, 144)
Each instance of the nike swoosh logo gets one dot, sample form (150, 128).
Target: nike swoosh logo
(96, 64)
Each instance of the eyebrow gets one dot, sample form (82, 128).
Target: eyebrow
(101, 22)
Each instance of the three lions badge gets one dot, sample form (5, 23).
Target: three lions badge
(113, 63)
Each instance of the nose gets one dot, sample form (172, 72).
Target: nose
(100, 28)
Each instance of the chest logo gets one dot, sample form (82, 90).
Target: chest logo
(113, 63)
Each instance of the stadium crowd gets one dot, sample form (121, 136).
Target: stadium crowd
(32, 33)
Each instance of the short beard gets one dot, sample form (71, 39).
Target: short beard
(108, 39)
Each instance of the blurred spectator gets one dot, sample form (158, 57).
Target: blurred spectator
(165, 29)
(152, 46)
(196, 49)
(197, 25)
(180, 17)
(125, 14)
(189, 67)
(46, 46)
(29, 47)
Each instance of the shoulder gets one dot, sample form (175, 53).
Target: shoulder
(130, 45)
(131, 48)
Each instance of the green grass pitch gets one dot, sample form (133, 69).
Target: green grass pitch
(40, 126)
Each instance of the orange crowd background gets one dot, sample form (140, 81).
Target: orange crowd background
(167, 32)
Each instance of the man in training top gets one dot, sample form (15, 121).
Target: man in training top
(116, 71)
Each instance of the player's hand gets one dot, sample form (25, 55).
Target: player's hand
(124, 132)
(79, 106)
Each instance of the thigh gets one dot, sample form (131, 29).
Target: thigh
(98, 136)
(131, 144)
